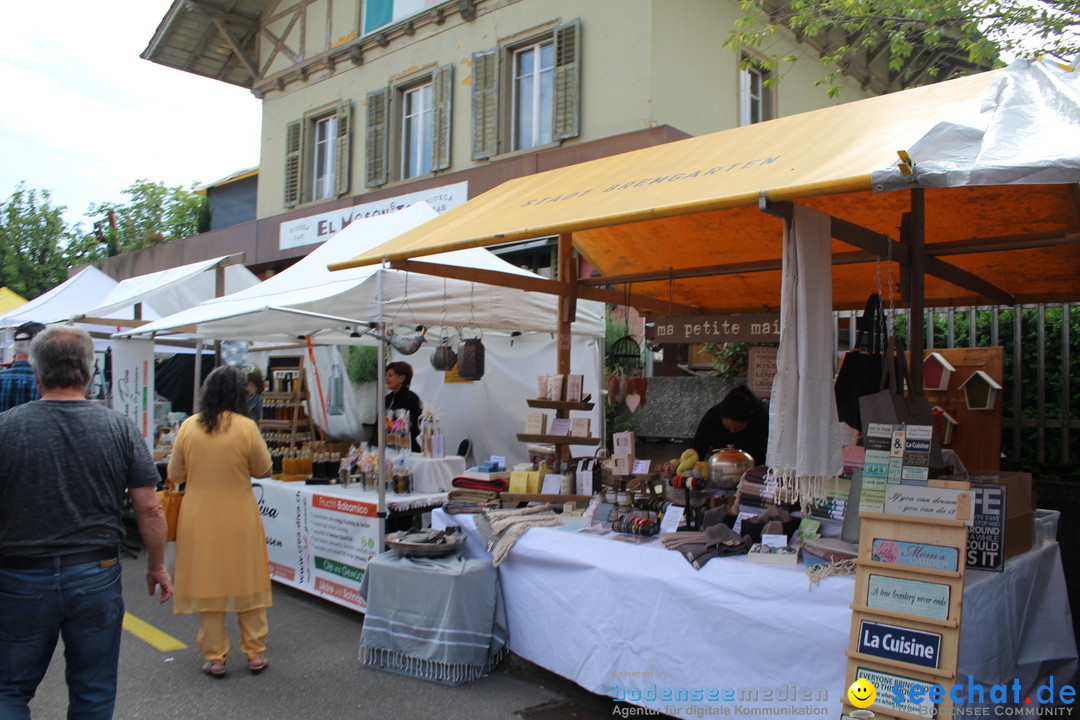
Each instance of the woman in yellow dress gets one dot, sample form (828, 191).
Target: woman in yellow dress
(221, 561)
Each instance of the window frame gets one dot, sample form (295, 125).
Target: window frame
(750, 69)
(413, 166)
(540, 75)
(304, 149)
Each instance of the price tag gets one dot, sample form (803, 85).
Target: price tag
(774, 540)
(641, 467)
(500, 459)
(672, 519)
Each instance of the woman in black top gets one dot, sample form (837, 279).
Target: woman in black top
(740, 419)
(398, 376)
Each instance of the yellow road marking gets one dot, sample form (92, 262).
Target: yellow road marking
(150, 634)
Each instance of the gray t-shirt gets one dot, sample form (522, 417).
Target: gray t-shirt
(64, 469)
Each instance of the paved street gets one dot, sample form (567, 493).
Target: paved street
(314, 673)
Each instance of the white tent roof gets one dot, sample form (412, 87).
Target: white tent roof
(170, 291)
(307, 297)
(69, 298)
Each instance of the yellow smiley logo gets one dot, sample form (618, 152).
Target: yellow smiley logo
(862, 693)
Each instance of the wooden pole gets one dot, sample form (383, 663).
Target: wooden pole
(567, 301)
(917, 295)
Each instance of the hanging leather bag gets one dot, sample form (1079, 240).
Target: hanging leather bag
(860, 373)
(892, 407)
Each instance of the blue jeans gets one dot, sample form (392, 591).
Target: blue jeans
(82, 603)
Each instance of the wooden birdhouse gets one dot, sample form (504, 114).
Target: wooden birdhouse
(980, 391)
(936, 372)
(945, 424)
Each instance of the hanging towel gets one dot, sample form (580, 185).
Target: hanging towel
(805, 434)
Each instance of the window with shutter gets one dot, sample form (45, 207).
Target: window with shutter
(485, 105)
(343, 148)
(442, 83)
(292, 163)
(566, 118)
(755, 98)
(416, 130)
(378, 103)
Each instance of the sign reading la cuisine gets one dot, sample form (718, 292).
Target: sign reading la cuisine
(897, 643)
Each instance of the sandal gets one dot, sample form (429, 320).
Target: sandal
(257, 665)
(214, 669)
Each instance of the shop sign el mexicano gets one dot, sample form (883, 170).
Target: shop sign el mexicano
(762, 328)
(897, 643)
(319, 228)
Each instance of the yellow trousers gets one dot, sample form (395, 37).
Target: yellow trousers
(214, 640)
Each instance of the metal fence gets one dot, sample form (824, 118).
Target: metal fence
(1041, 424)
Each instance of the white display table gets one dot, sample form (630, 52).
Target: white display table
(319, 538)
(636, 622)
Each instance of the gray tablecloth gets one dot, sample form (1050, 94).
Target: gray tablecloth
(439, 619)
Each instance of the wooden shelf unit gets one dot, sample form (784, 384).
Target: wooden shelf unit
(287, 383)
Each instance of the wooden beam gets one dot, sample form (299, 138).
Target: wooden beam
(567, 304)
(538, 284)
(238, 52)
(916, 245)
(1002, 243)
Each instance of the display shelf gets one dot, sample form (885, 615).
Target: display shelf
(558, 404)
(559, 439)
(288, 392)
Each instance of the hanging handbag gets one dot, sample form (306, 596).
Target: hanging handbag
(860, 373)
(171, 499)
(892, 407)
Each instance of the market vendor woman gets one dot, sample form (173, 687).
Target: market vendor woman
(398, 376)
(740, 419)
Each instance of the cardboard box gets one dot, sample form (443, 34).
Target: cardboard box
(623, 443)
(580, 427)
(535, 424)
(621, 464)
(1018, 506)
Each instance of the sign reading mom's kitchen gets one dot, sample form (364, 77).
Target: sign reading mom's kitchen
(319, 228)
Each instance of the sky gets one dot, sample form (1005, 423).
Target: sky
(84, 117)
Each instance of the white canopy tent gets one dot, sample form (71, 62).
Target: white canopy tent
(307, 298)
(335, 308)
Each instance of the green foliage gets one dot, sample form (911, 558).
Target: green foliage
(979, 30)
(362, 364)
(729, 359)
(33, 238)
(155, 214)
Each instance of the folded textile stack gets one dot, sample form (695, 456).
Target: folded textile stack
(496, 485)
(467, 500)
(831, 510)
(500, 529)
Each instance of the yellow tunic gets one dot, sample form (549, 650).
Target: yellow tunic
(221, 562)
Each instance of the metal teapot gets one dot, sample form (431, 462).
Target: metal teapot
(727, 466)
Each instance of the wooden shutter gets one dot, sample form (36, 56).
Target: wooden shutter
(485, 104)
(566, 108)
(343, 148)
(378, 111)
(442, 89)
(292, 163)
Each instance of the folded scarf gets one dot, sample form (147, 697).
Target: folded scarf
(495, 485)
(500, 529)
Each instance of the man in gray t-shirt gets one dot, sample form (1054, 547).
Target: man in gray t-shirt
(66, 464)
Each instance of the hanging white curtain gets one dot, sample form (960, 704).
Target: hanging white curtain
(805, 434)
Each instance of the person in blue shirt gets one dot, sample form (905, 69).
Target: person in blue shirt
(17, 384)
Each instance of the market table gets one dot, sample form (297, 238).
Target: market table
(319, 538)
(639, 623)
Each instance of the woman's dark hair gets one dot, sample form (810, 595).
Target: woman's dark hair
(404, 369)
(740, 404)
(225, 390)
(255, 378)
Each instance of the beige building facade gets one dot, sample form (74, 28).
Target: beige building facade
(369, 101)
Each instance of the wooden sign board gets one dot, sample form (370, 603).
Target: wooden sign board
(931, 503)
(986, 539)
(901, 693)
(977, 435)
(894, 543)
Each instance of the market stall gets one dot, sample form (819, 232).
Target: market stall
(646, 622)
(987, 213)
(307, 303)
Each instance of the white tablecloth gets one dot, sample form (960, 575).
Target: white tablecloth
(636, 621)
